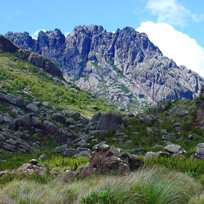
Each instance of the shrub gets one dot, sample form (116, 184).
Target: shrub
(101, 197)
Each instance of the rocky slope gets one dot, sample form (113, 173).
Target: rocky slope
(124, 67)
(37, 60)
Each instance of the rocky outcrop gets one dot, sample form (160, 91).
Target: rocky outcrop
(122, 67)
(10, 98)
(6, 45)
(110, 160)
(37, 60)
(199, 122)
(110, 120)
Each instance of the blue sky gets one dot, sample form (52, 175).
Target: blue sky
(175, 26)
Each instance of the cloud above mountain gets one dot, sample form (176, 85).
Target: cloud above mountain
(175, 45)
(35, 34)
(171, 12)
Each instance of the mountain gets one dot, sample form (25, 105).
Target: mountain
(124, 67)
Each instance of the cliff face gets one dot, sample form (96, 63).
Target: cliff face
(37, 60)
(122, 67)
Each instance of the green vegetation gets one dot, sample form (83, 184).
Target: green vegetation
(162, 180)
(151, 186)
(15, 75)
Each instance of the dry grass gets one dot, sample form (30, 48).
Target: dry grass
(155, 185)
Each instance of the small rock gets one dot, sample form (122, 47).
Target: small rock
(33, 162)
(128, 143)
(42, 157)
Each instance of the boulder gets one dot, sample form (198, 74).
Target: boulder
(128, 143)
(61, 135)
(31, 108)
(36, 122)
(199, 151)
(109, 160)
(42, 157)
(167, 137)
(70, 152)
(147, 118)
(174, 148)
(173, 110)
(1, 119)
(96, 117)
(62, 148)
(70, 121)
(110, 120)
(156, 154)
(21, 122)
(183, 113)
(10, 98)
(58, 118)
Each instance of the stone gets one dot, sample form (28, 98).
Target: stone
(109, 159)
(174, 148)
(148, 130)
(178, 155)
(33, 162)
(62, 148)
(83, 154)
(183, 113)
(173, 110)
(46, 104)
(42, 157)
(167, 137)
(128, 143)
(70, 121)
(147, 118)
(155, 154)
(139, 150)
(10, 98)
(96, 117)
(110, 120)
(31, 108)
(199, 151)
(9, 147)
(154, 109)
(58, 117)
(177, 127)
(36, 122)
(20, 122)
(1, 119)
(70, 152)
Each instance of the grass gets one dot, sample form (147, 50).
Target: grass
(153, 185)
(20, 74)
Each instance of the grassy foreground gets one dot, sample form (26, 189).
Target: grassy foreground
(151, 185)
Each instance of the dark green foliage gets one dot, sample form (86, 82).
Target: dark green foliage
(101, 197)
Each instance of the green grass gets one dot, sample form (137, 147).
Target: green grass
(151, 186)
(20, 74)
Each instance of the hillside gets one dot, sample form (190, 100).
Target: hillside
(58, 144)
(123, 68)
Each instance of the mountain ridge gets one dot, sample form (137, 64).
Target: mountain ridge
(124, 68)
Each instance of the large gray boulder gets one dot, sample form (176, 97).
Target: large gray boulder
(110, 120)
(21, 122)
(199, 151)
(31, 108)
(58, 117)
(61, 135)
(10, 98)
(174, 148)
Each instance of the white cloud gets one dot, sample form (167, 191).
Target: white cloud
(175, 45)
(66, 34)
(35, 34)
(171, 12)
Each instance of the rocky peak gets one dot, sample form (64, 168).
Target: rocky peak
(124, 67)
